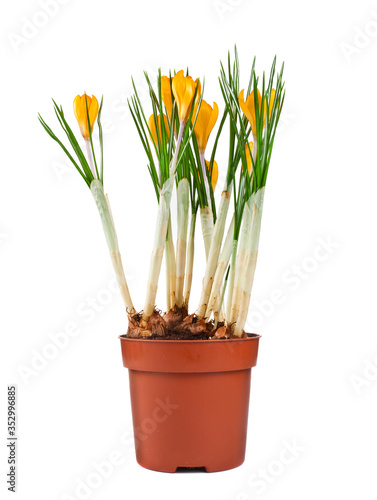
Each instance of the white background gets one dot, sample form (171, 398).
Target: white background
(314, 384)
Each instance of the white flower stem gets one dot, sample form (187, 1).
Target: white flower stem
(167, 278)
(256, 206)
(221, 309)
(214, 252)
(220, 304)
(90, 158)
(190, 261)
(226, 252)
(206, 219)
(231, 280)
(104, 210)
(160, 238)
(240, 262)
(158, 248)
(170, 268)
(174, 160)
(183, 201)
(205, 177)
(254, 152)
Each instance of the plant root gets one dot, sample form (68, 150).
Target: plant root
(174, 317)
(177, 325)
(191, 325)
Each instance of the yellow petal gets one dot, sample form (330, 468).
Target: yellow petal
(248, 108)
(272, 99)
(248, 155)
(250, 103)
(166, 94)
(153, 131)
(183, 90)
(178, 88)
(187, 98)
(245, 109)
(202, 123)
(212, 119)
(205, 122)
(198, 92)
(93, 108)
(214, 174)
(79, 109)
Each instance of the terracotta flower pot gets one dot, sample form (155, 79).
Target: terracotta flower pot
(190, 401)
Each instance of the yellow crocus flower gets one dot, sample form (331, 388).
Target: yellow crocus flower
(79, 108)
(248, 155)
(248, 108)
(152, 128)
(166, 94)
(183, 90)
(205, 121)
(215, 173)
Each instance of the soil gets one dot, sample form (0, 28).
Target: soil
(176, 324)
(179, 336)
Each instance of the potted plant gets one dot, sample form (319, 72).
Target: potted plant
(187, 369)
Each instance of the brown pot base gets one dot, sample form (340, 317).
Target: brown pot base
(190, 401)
